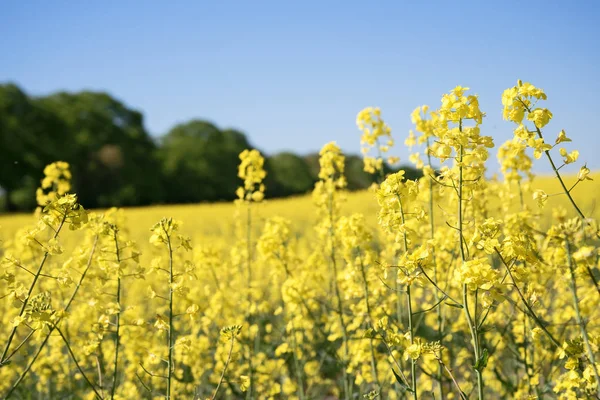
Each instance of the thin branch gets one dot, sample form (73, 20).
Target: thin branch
(91, 385)
(151, 374)
(225, 367)
(529, 309)
(20, 345)
(438, 288)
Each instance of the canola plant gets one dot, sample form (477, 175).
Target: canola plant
(453, 286)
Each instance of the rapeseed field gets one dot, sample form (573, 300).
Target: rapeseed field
(459, 285)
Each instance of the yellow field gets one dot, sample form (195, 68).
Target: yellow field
(212, 228)
(216, 221)
(452, 286)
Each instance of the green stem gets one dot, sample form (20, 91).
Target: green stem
(526, 344)
(555, 169)
(214, 396)
(171, 332)
(118, 322)
(532, 314)
(297, 366)
(449, 371)
(472, 327)
(30, 365)
(340, 305)
(521, 199)
(413, 362)
(440, 321)
(249, 393)
(446, 295)
(90, 384)
(366, 290)
(580, 321)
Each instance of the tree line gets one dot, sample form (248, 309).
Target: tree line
(116, 162)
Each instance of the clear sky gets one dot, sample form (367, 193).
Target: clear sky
(293, 75)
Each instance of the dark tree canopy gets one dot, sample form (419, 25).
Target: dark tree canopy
(290, 174)
(115, 162)
(200, 162)
(113, 158)
(30, 138)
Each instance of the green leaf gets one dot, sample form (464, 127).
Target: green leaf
(452, 304)
(400, 381)
(482, 361)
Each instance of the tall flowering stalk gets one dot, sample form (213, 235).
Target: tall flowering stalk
(520, 107)
(515, 165)
(326, 196)
(568, 234)
(355, 239)
(117, 259)
(165, 234)
(274, 246)
(115, 233)
(457, 140)
(229, 333)
(376, 141)
(57, 209)
(425, 127)
(394, 197)
(88, 249)
(251, 170)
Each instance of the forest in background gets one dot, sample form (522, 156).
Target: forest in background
(116, 162)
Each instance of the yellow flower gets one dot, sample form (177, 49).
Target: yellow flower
(375, 134)
(56, 182)
(414, 351)
(540, 117)
(244, 382)
(479, 274)
(562, 137)
(184, 343)
(539, 146)
(331, 161)
(251, 170)
(540, 197)
(584, 173)
(536, 333)
(161, 323)
(192, 311)
(569, 158)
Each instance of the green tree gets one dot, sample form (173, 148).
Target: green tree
(288, 174)
(30, 138)
(200, 162)
(113, 158)
(115, 162)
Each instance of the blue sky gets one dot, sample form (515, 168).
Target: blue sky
(293, 75)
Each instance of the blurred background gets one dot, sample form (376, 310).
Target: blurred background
(152, 102)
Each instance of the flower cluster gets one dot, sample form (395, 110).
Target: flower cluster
(376, 134)
(56, 183)
(251, 170)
